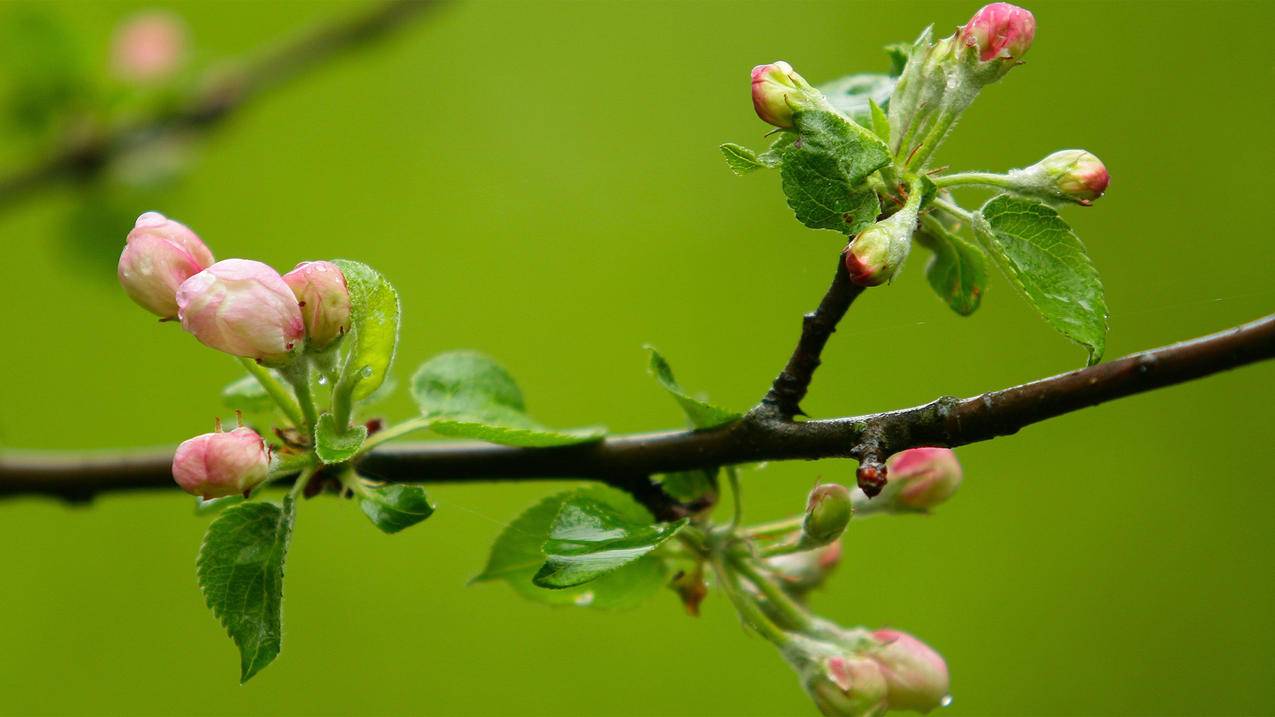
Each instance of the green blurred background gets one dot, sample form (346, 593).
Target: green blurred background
(541, 182)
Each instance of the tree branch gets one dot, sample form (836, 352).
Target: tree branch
(784, 397)
(626, 461)
(220, 96)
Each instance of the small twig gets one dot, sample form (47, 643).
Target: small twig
(627, 461)
(220, 95)
(784, 397)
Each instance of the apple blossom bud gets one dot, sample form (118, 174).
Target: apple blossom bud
(915, 675)
(149, 46)
(877, 253)
(324, 300)
(923, 477)
(828, 511)
(159, 254)
(214, 465)
(799, 573)
(243, 308)
(778, 92)
(1070, 174)
(1000, 31)
(842, 684)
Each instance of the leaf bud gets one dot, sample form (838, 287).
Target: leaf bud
(243, 308)
(159, 254)
(214, 465)
(1070, 174)
(828, 511)
(915, 675)
(1000, 31)
(324, 300)
(921, 478)
(779, 92)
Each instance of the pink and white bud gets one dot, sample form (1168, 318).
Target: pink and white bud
(877, 253)
(778, 92)
(214, 465)
(848, 686)
(243, 308)
(799, 573)
(925, 477)
(915, 675)
(149, 46)
(1070, 174)
(1000, 31)
(159, 254)
(324, 300)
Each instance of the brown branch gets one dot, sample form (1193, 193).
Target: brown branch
(626, 461)
(784, 397)
(220, 95)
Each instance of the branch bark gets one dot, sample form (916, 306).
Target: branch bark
(626, 461)
(222, 94)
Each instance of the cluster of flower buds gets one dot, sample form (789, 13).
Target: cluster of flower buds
(779, 93)
(239, 306)
(1069, 175)
(221, 463)
(865, 674)
(917, 480)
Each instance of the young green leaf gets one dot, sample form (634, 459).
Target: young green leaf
(517, 556)
(741, 160)
(958, 270)
(702, 414)
(468, 395)
(853, 95)
(240, 571)
(822, 172)
(395, 507)
(1041, 256)
(689, 486)
(334, 445)
(589, 539)
(374, 320)
(880, 123)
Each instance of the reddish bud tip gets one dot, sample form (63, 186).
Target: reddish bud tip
(871, 478)
(1000, 31)
(777, 91)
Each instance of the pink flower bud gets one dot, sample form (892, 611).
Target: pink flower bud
(915, 675)
(799, 573)
(848, 686)
(159, 254)
(1078, 175)
(149, 46)
(324, 299)
(244, 308)
(778, 91)
(877, 253)
(219, 464)
(1000, 30)
(828, 511)
(926, 476)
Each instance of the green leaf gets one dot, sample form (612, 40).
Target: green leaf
(824, 168)
(1041, 255)
(395, 507)
(852, 95)
(589, 539)
(688, 486)
(702, 414)
(247, 395)
(240, 571)
(880, 123)
(741, 160)
(374, 320)
(334, 445)
(898, 52)
(468, 395)
(958, 270)
(517, 556)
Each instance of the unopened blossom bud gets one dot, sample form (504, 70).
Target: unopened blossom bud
(1071, 174)
(779, 92)
(149, 46)
(214, 465)
(159, 254)
(841, 683)
(799, 573)
(1000, 31)
(922, 478)
(915, 675)
(324, 300)
(828, 511)
(877, 253)
(243, 308)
